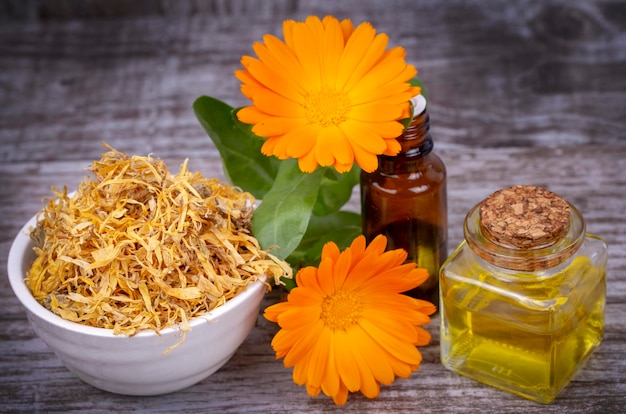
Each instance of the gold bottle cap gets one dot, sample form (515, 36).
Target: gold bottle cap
(524, 217)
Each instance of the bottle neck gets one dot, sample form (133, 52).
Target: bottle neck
(524, 259)
(414, 142)
(416, 138)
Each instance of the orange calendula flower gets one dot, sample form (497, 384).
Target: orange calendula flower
(329, 95)
(346, 327)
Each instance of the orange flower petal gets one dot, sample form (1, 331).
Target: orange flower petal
(343, 168)
(396, 51)
(399, 328)
(355, 48)
(284, 340)
(300, 141)
(398, 279)
(312, 390)
(399, 92)
(404, 351)
(341, 396)
(277, 75)
(269, 146)
(288, 61)
(402, 369)
(273, 126)
(376, 112)
(319, 355)
(272, 312)
(251, 115)
(247, 79)
(377, 246)
(366, 273)
(281, 145)
(298, 316)
(300, 350)
(306, 47)
(357, 248)
(333, 146)
(362, 51)
(393, 147)
(252, 90)
(342, 149)
(325, 275)
(364, 138)
(269, 78)
(307, 278)
(303, 298)
(327, 74)
(366, 160)
(288, 27)
(331, 381)
(391, 129)
(274, 104)
(331, 250)
(424, 306)
(369, 384)
(342, 267)
(376, 357)
(367, 332)
(423, 336)
(388, 301)
(332, 48)
(300, 371)
(308, 162)
(391, 307)
(346, 365)
(324, 147)
(391, 70)
(347, 28)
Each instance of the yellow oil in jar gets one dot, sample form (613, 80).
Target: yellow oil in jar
(528, 337)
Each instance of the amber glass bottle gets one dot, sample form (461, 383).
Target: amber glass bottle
(405, 199)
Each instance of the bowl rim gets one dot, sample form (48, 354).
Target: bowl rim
(17, 255)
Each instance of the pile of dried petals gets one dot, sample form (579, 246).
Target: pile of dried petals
(139, 248)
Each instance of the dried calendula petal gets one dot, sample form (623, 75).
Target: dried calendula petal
(138, 248)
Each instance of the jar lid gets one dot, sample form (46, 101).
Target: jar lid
(525, 217)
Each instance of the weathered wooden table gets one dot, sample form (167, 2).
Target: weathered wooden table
(521, 92)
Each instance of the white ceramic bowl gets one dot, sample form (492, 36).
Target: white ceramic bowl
(137, 365)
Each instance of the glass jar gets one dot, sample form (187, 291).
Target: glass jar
(522, 298)
(405, 199)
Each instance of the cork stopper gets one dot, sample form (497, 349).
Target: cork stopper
(524, 217)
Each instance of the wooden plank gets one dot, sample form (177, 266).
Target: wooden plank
(520, 92)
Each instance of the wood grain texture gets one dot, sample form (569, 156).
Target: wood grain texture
(520, 92)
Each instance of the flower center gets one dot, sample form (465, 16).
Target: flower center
(327, 107)
(341, 310)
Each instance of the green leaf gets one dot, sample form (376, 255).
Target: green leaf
(336, 190)
(340, 227)
(244, 164)
(289, 283)
(417, 82)
(282, 218)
